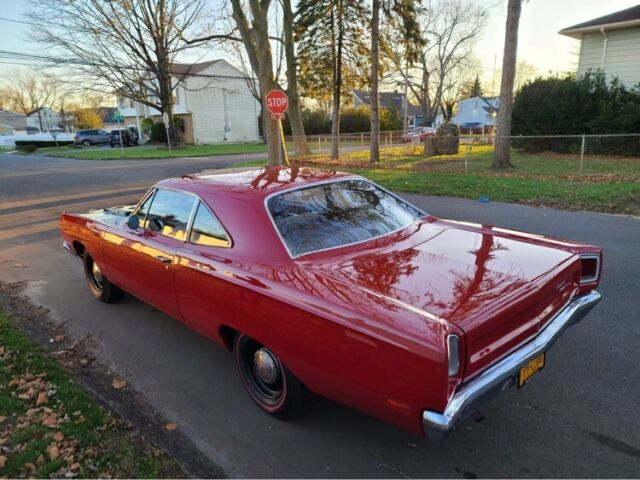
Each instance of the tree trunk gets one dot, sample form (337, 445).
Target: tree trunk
(375, 119)
(295, 115)
(501, 154)
(338, 33)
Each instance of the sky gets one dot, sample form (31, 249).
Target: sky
(539, 43)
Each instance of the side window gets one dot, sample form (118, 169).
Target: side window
(206, 230)
(173, 209)
(143, 209)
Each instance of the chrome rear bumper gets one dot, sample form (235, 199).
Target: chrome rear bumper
(503, 374)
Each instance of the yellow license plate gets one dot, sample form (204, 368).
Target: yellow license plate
(530, 369)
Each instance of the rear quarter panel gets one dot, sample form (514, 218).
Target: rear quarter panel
(83, 235)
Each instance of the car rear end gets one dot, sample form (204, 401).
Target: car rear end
(505, 345)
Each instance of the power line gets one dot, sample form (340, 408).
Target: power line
(57, 61)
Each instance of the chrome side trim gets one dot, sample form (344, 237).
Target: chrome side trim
(68, 248)
(346, 178)
(437, 425)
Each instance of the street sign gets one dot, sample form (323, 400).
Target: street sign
(117, 116)
(165, 119)
(277, 103)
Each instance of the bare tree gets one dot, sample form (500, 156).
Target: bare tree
(449, 31)
(127, 47)
(30, 92)
(295, 111)
(501, 154)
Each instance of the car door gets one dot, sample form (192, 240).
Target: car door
(142, 261)
(205, 295)
(103, 136)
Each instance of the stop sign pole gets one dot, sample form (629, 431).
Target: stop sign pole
(277, 103)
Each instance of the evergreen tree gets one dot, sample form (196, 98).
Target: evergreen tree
(332, 52)
(474, 89)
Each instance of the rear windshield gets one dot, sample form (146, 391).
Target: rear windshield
(337, 214)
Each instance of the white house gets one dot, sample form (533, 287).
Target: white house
(611, 44)
(477, 110)
(44, 119)
(212, 99)
(14, 120)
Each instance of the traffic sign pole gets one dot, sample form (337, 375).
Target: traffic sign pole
(277, 103)
(165, 119)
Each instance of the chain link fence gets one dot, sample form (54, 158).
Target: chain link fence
(546, 155)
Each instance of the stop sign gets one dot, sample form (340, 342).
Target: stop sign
(277, 103)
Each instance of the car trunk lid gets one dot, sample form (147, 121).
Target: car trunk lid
(500, 291)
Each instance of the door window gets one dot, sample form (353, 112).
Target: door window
(172, 209)
(206, 230)
(143, 209)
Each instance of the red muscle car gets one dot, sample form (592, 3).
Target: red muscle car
(324, 282)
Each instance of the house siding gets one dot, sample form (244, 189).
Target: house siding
(622, 57)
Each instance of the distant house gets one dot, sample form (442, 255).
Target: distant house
(15, 120)
(106, 115)
(43, 119)
(212, 99)
(477, 110)
(611, 44)
(391, 101)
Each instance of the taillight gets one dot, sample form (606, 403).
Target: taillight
(453, 355)
(589, 268)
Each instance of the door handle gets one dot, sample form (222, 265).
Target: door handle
(163, 259)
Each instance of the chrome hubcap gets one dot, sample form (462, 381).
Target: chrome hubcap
(266, 365)
(97, 274)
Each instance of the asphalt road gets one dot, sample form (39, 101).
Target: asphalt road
(579, 418)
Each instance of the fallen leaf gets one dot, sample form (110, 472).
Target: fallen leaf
(50, 421)
(53, 452)
(58, 338)
(58, 436)
(75, 466)
(119, 383)
(29, 466)
(2, 418)
(40, 460)
(171, 426)
(42, 399)
(3, 461)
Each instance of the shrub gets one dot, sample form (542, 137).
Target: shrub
(27, 148)
(446, 141)
(158, 133)
(567, 106)
(146, 126)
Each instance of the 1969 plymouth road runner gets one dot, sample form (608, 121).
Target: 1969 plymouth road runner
(324, 282)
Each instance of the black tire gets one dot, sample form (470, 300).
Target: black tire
(284, 395)
(86, 143)
(99, 285)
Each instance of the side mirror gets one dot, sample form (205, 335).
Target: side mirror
(133, 222)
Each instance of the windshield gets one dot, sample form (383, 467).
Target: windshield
(337, 214)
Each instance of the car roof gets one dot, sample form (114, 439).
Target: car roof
(253, 183)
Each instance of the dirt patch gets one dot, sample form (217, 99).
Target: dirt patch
(132, 411)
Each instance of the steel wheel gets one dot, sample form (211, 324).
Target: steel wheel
(98, 283)
(86, 143)
(273, 387)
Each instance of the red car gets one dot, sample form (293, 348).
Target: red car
(418, 134)
(324, 282)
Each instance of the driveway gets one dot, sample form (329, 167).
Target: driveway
(577, 419)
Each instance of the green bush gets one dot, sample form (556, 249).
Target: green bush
(27, 148)
(568, 106)
(146, 126)
(158, 133)
(42, 143)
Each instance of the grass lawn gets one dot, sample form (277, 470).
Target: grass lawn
(50, 426)
(154, 151)
(607, 184)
